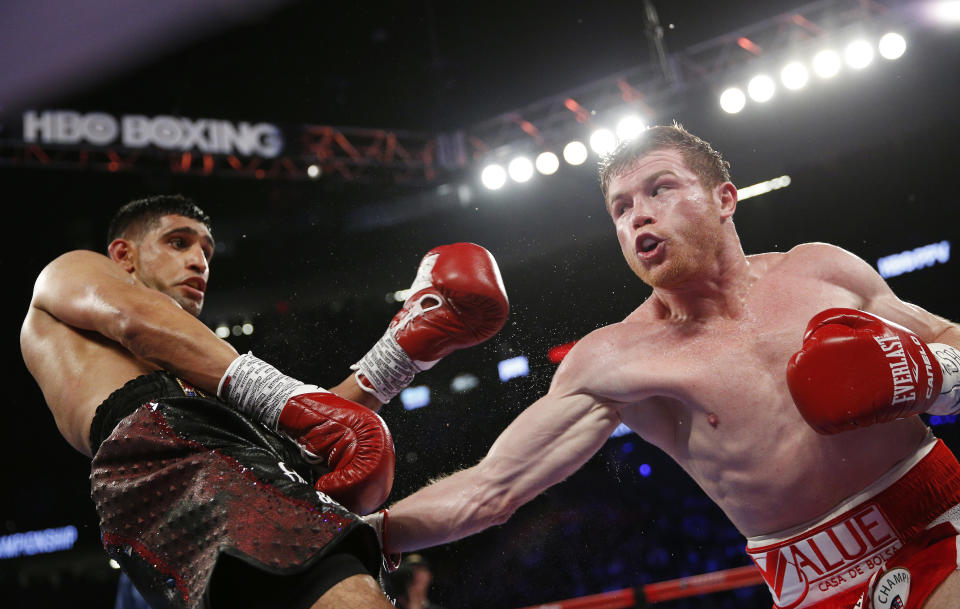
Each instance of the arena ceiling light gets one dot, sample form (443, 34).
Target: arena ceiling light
(858, 54)
(826, 64)
(415, 397)
(629, 127)
(547, 163)
(892, 46)
(761, 88)
(313, 171)
(946, 12)
(464, 382)
(794, 75)
(520, 169)
(575, 153)
(493, 176)
(733, 100)
(762, 188)
(603, 141)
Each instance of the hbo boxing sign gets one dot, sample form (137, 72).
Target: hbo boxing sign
(164, 132)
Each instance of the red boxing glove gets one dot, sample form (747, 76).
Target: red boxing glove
(457, 300)
(353, 441)
(856, 369)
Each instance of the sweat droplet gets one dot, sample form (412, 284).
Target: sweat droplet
(713, 419)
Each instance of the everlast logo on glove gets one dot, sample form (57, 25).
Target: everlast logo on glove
(904, 389)
(828, 559)
(905, 378)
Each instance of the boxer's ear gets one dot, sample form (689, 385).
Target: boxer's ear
(727, 195)
(124, 253)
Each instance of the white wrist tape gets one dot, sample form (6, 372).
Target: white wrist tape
(387, 367)
(259, 390)
(949, 400)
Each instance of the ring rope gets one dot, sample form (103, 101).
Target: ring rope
(692, 585)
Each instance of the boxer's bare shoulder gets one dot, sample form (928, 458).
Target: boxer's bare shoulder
(75, 365)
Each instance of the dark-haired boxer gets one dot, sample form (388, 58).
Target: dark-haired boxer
(843, 493)
(219, 480)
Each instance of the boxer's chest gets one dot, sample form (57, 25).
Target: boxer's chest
(732, 362)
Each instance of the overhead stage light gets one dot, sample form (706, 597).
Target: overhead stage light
(603, 141)
(629, 127)
(575, 153)
(313, 171)
(520, 169)
(946, 12)
(794, 75)
(892, 45)
(493, 177)
(826, 64)
(761, 188)
(547, 163)
(761, 88)
(733, 100)
(858, 54)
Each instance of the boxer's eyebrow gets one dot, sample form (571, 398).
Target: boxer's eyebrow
(614, 195)
(189, 230)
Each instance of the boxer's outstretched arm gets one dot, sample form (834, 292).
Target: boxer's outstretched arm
(548, 441)
(87, 291)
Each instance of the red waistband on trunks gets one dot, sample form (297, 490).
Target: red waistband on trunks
(840, 552)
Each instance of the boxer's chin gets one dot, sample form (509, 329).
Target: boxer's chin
(667, 274)
(189, 305)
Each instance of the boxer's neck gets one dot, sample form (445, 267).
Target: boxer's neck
(718, 293)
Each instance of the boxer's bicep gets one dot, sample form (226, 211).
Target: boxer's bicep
(931, 328)
(878, 298)
(873, 294)
(86, 291)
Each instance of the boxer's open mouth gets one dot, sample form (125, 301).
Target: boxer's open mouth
(648, 245)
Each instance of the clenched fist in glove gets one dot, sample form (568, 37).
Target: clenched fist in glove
(350, 439)
(456, 301)
(857, 369)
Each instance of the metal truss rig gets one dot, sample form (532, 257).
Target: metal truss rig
(383, 156)
(653, 89)
(365, 156)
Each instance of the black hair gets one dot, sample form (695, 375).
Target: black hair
(136, 217)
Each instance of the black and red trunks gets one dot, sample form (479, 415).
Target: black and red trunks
(200, 505)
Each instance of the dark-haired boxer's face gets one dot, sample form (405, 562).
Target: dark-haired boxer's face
(173, 257)
(667, 223)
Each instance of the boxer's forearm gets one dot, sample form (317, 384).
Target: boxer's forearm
(349, 389)
(949, 336)
(449, 509)
(545, 444)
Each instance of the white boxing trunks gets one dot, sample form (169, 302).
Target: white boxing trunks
(887, 547)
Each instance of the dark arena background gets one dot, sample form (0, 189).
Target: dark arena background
(334, 144)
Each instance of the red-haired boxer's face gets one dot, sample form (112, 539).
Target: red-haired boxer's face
(174, 258)
(668, 224)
